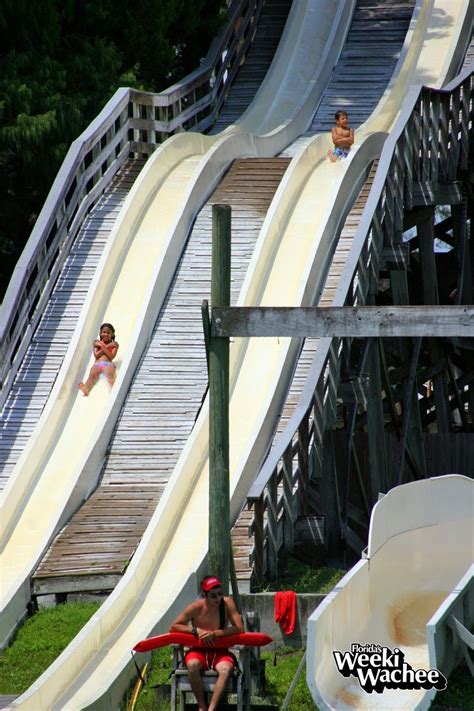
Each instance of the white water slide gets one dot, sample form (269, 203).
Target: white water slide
(61, 461)
(418, 562)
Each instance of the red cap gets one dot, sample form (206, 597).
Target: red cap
(209, 583)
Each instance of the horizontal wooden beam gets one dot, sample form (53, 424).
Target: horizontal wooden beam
(74, 584)
(344, 321)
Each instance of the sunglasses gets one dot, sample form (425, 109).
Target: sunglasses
(215, 595)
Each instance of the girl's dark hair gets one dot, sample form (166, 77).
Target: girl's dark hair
(338, 114)
(108, 325)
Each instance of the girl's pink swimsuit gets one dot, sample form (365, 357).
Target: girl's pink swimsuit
(102, 363)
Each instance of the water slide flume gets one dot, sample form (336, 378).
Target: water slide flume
(420, 545)
(293, 247)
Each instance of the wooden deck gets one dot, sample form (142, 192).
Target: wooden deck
(97, 542)
(163, 401)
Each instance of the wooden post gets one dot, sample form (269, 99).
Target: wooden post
(219, 516)
(462, 249)
(258, 540)
(331, 498)
(425, 231)
(414, 439)
(375, 425)
(289, 516)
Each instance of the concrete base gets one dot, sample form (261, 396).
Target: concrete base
(264, 605)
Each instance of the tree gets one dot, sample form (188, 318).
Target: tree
(61, 61)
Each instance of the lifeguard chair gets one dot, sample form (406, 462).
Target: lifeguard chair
(239, 682)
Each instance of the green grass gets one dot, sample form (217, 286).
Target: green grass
(279, 677)
(157, 673)
(304, 578)
(459, 693)
(38, 642)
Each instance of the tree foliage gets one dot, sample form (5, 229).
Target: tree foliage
(61, 61)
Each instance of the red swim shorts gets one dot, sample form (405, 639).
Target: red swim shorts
(209, 658)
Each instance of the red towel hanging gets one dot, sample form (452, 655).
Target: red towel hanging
(285, 610)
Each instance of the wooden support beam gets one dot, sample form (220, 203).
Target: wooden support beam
(410, 391)
(330, 496)
(457, 395)
(416, 216)
(343, 321)
(397, 256)
(350, 455)
(441, 229)
(219, 514)
(375, 425)
(411, 459)
(426, 193)
(347, 470)
(414, 439)
(430, 296)
(462, 248)
(425, 233)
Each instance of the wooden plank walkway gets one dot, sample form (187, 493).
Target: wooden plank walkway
(257, 62)
(365, 67)
(163, 400)
(37, 374)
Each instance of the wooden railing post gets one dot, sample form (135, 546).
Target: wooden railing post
(303, 465)
(272, 528)
(288, 500)
(258, 540)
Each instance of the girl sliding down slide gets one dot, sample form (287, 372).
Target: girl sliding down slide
(104, 349)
